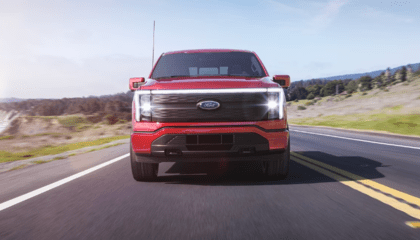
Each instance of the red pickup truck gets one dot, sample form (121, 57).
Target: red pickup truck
(209, 105)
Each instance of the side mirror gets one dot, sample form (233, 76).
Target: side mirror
(283, 80)
(135, 83)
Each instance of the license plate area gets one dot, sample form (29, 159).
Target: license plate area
(209, 139)
(209, 142)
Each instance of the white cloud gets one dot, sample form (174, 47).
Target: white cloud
(285, 8)
(313, 15)
(326, 16)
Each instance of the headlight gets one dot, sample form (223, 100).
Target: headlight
(282, 104)
(276, 104)
(146, 109)
(272, 104)
(143, 106)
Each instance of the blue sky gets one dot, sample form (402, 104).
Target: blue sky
(56, 49)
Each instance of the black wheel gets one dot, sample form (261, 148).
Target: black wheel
(277, 168)
(284, 158)
(143, 171)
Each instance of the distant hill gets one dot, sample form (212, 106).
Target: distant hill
(8, 100)
(415, 66)
(119, 104)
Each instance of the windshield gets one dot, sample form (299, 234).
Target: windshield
(208, 64)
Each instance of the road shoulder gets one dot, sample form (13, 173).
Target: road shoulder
(369, 132)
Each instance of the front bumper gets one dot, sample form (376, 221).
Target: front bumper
(208, 144)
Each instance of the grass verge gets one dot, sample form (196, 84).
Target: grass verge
(112, 145)
(6, 137)
(18, 167)
(50, 150)
(40, 161)
(399, 124)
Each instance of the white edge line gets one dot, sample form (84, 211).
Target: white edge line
(359, 140)
(39, 191)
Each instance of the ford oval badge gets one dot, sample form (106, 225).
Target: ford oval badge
(208, 105)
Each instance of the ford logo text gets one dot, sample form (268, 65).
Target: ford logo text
(208, 105)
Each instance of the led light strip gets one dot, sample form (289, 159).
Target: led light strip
(228, 90)
(282, 104)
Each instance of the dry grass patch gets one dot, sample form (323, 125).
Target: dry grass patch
(393, 123)
(7, 137)
(6, 156)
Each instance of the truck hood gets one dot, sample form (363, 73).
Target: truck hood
(209, 83)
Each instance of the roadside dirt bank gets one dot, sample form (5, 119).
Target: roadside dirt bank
(402, 99)
(25, 133)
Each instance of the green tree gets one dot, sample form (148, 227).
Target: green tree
(330, 87)
(352, 86)
(366, 83)
(379, 80)
(403, 74)
(310, 96)
(314, 89)
(300, 93)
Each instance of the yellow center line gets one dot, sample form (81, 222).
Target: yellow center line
(413, 224)
(356, 185)
(406, 197)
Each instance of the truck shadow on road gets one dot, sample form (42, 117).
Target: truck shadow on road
(250, 173)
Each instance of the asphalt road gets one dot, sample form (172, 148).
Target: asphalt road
(319, 199)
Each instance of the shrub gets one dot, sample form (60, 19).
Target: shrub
(121, 121)
(82, 127)
(366, 82)
(94, 119)
(310, 96)
(348, 95)
(296, 100)
(72, 121)
(301, 108)
(111, 119)
(309, 103)
(125, 116)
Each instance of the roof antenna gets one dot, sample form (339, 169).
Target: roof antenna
(153, 54)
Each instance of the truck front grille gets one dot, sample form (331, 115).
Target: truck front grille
(233, 107)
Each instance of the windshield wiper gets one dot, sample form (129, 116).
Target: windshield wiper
(173, 76)
(222, 75)
(239, 75)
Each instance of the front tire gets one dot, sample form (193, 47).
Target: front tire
(143, 172)
(284, 158)
(279, 167)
